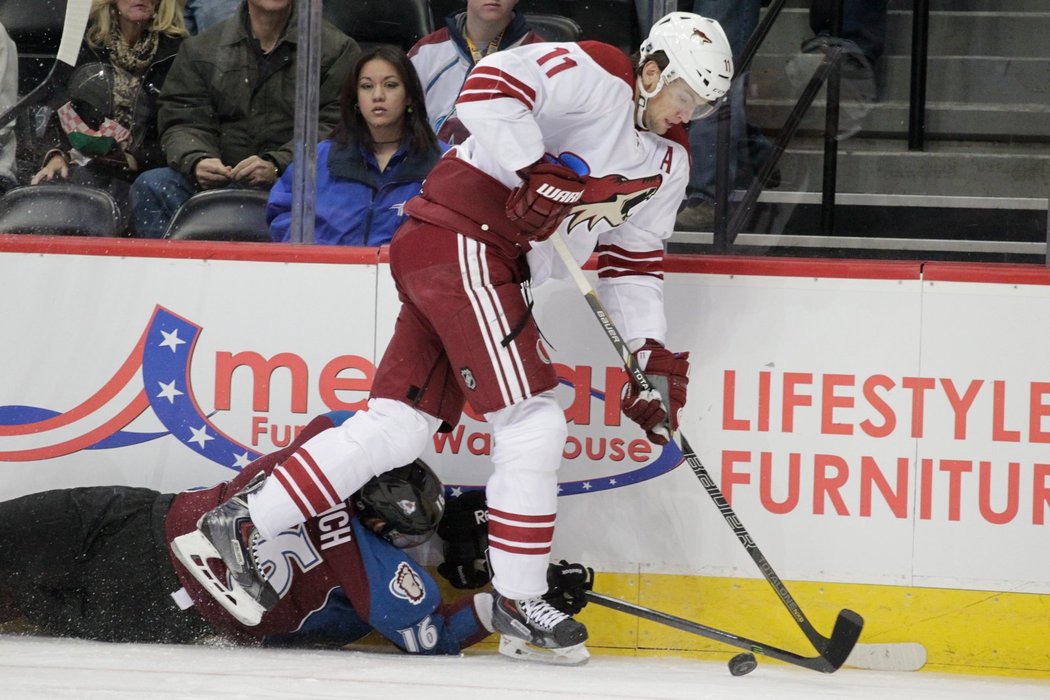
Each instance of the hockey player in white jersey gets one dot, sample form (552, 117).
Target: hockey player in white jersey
(571, 139)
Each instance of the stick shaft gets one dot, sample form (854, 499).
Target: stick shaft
(818, 640)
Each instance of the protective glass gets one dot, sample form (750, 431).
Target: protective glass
(686, 100)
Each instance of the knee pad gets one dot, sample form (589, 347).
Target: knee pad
(390, 433)
(530, 434)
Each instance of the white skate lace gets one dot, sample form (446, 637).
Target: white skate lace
(542, 613)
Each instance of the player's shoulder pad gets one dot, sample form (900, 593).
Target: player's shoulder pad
(612, 59)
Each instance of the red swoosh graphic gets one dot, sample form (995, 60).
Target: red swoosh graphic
(127, 414)
(110, 389)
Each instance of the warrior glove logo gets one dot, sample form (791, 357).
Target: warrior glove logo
(612, 198)
(548, 191)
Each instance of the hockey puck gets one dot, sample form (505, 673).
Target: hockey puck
(742, 664)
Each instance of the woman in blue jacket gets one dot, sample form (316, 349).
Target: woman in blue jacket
(375, 161)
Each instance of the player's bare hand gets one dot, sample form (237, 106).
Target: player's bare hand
(55, 168)
(255, 172)
(211, 173)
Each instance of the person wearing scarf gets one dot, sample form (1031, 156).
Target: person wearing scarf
(104, 130)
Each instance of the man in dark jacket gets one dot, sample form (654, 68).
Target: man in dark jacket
(227, 110)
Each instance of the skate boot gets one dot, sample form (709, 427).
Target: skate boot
(534, 630)
(227, 533)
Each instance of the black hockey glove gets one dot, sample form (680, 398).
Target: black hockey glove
(465, 531)
(566, 585)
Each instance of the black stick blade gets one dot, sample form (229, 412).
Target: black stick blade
(843, 638)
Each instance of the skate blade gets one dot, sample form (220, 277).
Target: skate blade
(194, 550)
(521, 650)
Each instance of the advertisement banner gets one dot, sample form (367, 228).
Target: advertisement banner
(866, 424)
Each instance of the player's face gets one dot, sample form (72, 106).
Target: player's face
(381, 94)
(491, 10)
(675, 103)
(137, 11)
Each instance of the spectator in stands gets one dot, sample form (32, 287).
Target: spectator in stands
(8, 97)
(105, 131)
(444, 57)
(227, 111)
(863, 39)
(748, 147)
(202, 14)
(375, 161)
(863, 26)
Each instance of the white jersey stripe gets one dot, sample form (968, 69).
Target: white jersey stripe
(520, 386)
(469, 250)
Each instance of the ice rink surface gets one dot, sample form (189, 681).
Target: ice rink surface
(44, 669)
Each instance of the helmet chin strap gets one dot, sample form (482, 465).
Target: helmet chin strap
(643, 101)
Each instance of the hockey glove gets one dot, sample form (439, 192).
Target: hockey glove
(567, 585)
(668, 372)
(546, 196)
(465, 531)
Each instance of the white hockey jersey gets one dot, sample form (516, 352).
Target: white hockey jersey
(576, 102)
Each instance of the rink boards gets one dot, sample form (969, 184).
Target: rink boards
(880, 428)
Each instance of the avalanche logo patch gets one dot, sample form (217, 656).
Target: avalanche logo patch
(407, 585)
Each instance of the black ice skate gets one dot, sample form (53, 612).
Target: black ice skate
(534, 630)
(227, 533)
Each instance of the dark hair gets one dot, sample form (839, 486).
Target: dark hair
(657, 57)
(353, 130)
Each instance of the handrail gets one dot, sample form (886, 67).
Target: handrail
(920, 41)
(831, 61)
(727, 226)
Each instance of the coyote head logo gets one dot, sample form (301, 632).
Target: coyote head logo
(612, 198)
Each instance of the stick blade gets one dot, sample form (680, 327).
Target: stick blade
(844, 636)
(888, 656)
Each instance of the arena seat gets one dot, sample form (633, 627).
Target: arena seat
(222, 215)
(61, 209)
(555, 27)
(370, 22)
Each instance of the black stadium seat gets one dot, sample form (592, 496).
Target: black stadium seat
(370, 22)
(222, 215)
(59, 210)
(555, 27)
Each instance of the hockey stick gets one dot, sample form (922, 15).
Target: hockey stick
(68, 49)
(897, 656)
(834, 649)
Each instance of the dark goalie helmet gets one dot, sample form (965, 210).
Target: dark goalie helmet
(410, 501)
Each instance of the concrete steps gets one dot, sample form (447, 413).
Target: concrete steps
(980, 187)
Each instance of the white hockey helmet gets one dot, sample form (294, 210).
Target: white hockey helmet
(697, 51)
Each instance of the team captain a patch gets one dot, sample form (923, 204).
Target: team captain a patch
(407, 585)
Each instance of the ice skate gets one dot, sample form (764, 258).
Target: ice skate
(226, 533)
(533, 630)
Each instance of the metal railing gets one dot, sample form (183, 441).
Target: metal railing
(728, 226)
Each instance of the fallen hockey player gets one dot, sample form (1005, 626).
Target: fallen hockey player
(96, 563)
